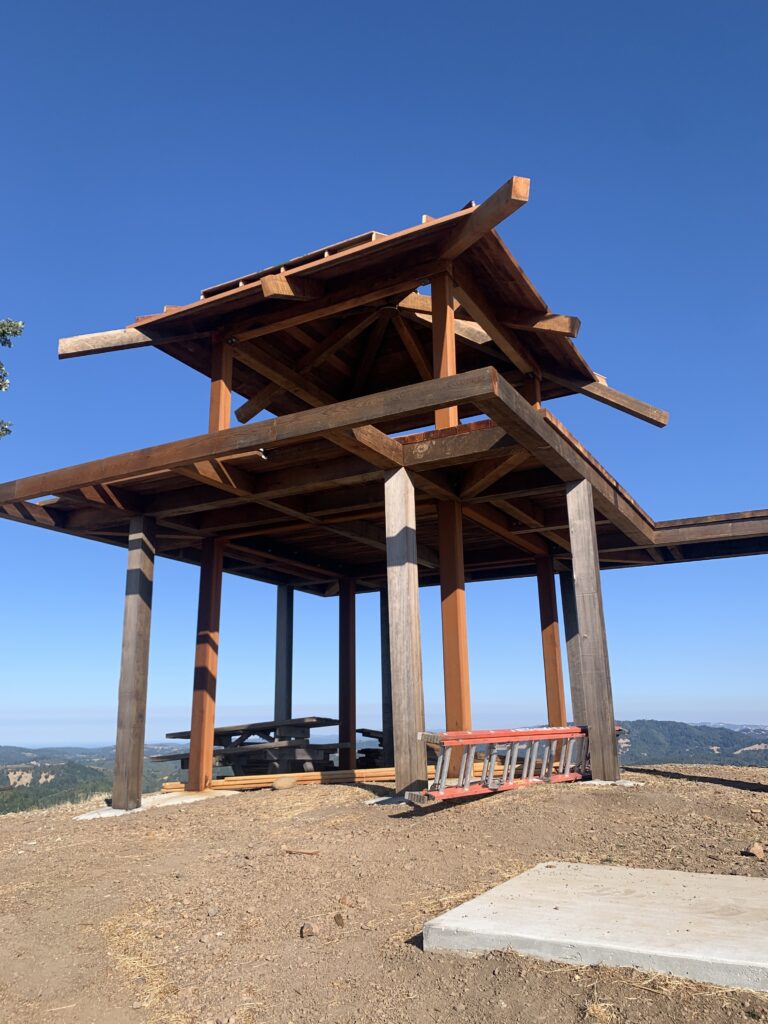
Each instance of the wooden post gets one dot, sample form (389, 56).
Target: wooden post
(347, 701)
(451, 542)
(453, 606)
(443, 342)
(404, 632)
(284, 654)
(209, 601)
(206, 666)
(595, 670)
(132, 696)
(550, 641)
(220, 409)
(572, 647)
(387, 740)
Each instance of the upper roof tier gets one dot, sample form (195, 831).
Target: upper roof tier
(349, 320)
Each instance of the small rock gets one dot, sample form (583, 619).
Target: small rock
(283, 783)
(756, 850)
(213, 911)
(307, 930)
(339, 919)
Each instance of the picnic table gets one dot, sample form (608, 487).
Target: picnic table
(260, 747)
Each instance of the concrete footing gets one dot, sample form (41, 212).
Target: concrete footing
(706, 927)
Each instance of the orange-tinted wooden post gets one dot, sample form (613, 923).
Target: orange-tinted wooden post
(443, 342)
(458, 714)
(220, 410)
(347, 697)
(206, 666)
(550, 641)
(458, 711)
(209, 601)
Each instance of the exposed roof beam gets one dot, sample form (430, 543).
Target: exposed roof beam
(484, 218)
(472, 299)
(103, 341)
(413, 347)
(283, 286)
(322, 351)
(495, 521)
(601, 392)
(518, 319)
(481, 476)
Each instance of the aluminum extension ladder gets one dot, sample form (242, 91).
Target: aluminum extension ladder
(496, 760)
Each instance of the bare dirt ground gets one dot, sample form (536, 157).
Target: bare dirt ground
(194, 914)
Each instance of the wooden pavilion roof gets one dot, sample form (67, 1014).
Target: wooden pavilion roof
(300, 499)
(336, 345)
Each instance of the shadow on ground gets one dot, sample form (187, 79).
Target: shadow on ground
(750, 787)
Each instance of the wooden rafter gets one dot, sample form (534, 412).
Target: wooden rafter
(321, 352)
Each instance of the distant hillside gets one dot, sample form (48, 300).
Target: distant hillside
(647, 741)
(45, 777)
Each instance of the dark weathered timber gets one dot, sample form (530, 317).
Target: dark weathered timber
(601, 392)
(200, 772)
(595, 669)
(134, 662)
(284, 653)
(405, 632)
(533, 431)
(550, 641)
(572, 647)
(347, 675)
(387, 739)
(312, 423)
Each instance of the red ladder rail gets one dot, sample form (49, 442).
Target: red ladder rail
(512, 758)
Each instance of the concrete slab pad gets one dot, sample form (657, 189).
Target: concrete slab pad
(151, 800)
(707, 927)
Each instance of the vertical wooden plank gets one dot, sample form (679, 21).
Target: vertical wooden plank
(572, 647)
(209, 600)
(284, 653)
(443, 342)
(550, 641)
(453, 607)
(530, 389)
(347, 677)
(387, 740)
(595, 670)
(220, 408)
(451, 544)
(404, 632)
(134, 661)
(206, 666)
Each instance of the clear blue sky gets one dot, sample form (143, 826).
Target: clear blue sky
(152, 149)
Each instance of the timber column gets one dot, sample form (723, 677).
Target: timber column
(134, 662)
(284, 653)
(458, 711)
(592, 647)
(550, 641)
(404, 632)
(200, 771)
(347, 678)
(387, 739)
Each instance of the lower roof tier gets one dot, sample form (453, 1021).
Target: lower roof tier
(299, 499)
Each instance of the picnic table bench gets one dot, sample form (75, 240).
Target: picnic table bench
(280, 746)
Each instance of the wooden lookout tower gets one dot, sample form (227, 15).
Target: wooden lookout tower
(407, 444)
